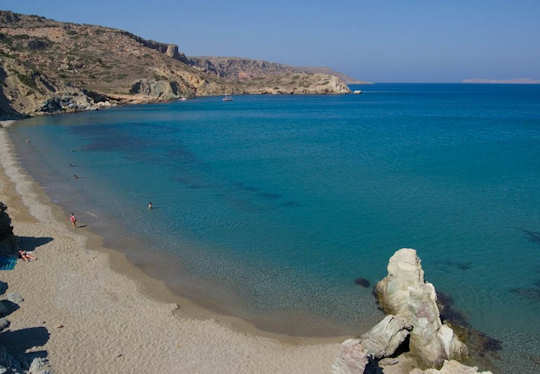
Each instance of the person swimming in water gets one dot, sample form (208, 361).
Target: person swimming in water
(73, 220)
(150, 205)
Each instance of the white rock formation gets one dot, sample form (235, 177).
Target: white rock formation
(412, 306)
(386, 336)
(405, 293)
(404, 271)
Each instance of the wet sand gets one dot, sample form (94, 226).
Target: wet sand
(114, 317)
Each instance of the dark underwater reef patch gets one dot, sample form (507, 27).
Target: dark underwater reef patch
(362, 282)
(480, 344)
(244, 187)
(531, 293)
(291, 204)
(461, 265)
(448, 312)
(533, 236)
(269, 195)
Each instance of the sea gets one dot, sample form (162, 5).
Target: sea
(270, 208)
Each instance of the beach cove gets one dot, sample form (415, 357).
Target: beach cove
(83, 306)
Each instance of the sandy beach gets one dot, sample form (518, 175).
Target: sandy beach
(89, 310)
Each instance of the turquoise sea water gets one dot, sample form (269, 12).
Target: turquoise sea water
(269, 207)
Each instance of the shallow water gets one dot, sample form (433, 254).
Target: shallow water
(271, 206)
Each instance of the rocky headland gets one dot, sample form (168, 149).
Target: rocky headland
(411, 338)
(48, 66)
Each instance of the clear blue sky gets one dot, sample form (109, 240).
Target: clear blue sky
(383, 41)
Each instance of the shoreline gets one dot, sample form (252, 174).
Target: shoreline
(33, 214)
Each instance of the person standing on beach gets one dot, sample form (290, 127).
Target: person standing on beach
(73, 220)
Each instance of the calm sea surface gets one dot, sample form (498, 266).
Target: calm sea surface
(269, 207)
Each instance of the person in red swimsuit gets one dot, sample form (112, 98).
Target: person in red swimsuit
(73, 220)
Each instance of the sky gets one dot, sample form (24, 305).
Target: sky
(379, 41)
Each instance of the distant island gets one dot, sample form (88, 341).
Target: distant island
(502, 81)
(49, 67)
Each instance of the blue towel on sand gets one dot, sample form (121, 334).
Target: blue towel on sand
(7, 262)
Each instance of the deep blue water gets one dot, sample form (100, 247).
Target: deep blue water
(270, 206)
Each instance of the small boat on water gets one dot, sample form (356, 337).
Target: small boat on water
(357, 92)
(227, 98)
(183, 98)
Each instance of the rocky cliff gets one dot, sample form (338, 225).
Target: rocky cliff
(50, 67)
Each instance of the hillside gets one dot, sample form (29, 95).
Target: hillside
(244, 68)
(325, 70)
(48, 66)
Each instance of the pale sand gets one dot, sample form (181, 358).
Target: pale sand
(110, 325)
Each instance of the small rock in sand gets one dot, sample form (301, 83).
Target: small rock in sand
(4, 324)
(60, 326)
(15, 297)
(40, 366)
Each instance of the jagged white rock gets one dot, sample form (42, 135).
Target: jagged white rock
(385, 337)
(404, 292)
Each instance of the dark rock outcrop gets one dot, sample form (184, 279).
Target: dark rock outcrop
(6, 230)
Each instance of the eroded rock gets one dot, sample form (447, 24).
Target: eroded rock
(352, 358)
(158, 89)
(404, 292)
(386, 336)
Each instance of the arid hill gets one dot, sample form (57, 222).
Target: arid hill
(48, 66)
(244, 68)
